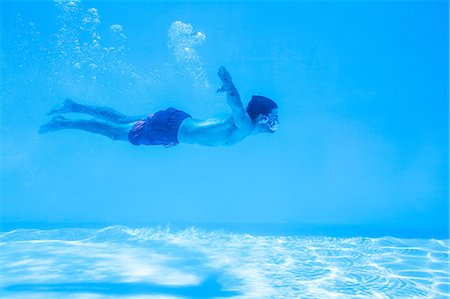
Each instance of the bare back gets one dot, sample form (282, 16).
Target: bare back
(219, 131)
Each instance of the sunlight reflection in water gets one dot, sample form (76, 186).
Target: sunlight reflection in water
(117, 261)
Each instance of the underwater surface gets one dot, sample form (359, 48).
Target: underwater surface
(120, 262)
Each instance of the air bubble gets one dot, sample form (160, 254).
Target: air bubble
(183, 40)
(116, 28)
(118, 32)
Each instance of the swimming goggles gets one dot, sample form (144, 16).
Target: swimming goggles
(271, 123)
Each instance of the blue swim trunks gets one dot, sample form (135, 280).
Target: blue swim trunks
(160, 128)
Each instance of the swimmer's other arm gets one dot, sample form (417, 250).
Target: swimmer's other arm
(240, 116)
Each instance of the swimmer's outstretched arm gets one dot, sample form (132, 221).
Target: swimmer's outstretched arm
(240, 116)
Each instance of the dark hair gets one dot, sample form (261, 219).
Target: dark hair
(260, 105)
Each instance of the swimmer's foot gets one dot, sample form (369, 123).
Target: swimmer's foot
(65, 107)
(57, 123)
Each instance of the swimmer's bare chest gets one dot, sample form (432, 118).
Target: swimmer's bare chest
(210, 132)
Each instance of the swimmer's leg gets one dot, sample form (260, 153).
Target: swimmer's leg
(69, 106)
(105, 128)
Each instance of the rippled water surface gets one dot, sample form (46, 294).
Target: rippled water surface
(119, 262)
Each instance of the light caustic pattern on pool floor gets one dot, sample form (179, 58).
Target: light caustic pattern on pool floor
(119, 262)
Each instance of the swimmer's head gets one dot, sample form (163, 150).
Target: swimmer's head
(264, 112)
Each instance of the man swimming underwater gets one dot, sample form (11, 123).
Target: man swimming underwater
(170, 127)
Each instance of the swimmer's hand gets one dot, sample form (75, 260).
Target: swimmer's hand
(225, 77)
(233, 98)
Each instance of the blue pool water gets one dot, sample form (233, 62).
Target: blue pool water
(349, 198)
(117, 262)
